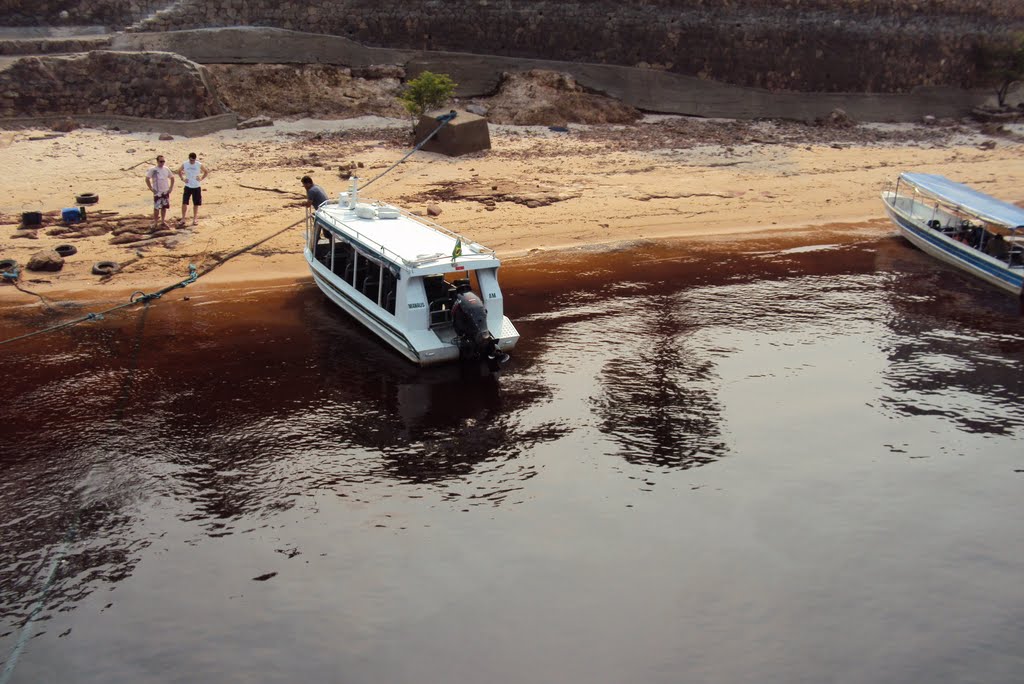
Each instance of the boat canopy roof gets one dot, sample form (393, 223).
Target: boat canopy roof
(405, 239)
(967, 199)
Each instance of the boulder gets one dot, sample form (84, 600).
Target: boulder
(45, 260)
(541, 97)
(255, 122)
(464, 134)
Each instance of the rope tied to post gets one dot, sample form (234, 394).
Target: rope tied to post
(443, 119)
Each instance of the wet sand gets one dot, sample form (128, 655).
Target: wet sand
(598, 187)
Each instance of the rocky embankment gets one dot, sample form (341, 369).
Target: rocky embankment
(877, 46)
(156, 85)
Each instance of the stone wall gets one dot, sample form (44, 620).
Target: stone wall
(111, 13)
(156, 85)
(799, 45)
(42, 46)
(481, 75)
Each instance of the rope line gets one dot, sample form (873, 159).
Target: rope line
(136, 298)
(71, 536)
(140, 297)
(444, 119)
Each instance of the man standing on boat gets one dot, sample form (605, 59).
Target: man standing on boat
(315, 195)
(192, 173)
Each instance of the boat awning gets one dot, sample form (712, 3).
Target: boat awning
(967, 199)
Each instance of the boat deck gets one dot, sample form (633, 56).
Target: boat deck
(400, 236)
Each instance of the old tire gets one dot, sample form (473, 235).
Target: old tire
(103, 268)
(8, 265)
(87, 198)
(65, 250)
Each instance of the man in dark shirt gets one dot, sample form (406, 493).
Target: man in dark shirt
(315, 195)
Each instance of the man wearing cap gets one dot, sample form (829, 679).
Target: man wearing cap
(192, 172)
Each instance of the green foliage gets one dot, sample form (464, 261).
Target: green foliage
(427, 91)
(1001, 64)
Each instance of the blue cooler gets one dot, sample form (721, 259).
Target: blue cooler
(71, 215)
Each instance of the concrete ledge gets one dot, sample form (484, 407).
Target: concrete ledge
(188, 129)
(479, 75)
(259, 45)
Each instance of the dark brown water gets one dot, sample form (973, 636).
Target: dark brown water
(765, 462)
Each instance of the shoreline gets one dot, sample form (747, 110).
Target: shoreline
(536, 191)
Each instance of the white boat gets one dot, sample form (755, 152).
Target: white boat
(428, 292)
(961, 226)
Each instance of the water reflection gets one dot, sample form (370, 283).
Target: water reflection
(204, 421)
(657, 402)
(956, 350)
(224, 420)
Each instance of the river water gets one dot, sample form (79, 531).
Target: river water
(727, 462)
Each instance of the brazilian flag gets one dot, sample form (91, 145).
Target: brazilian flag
(457, 252)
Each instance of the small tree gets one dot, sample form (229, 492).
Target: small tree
(427, 91)
(1001, 64)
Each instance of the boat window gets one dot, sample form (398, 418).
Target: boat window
(364, 269)
(388, 290)
(344, 255)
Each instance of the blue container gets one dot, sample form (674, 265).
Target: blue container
(71, 215)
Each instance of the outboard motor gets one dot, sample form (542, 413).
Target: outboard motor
(469, 317)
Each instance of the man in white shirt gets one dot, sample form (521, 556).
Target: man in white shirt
(192, 172)
(160, 181)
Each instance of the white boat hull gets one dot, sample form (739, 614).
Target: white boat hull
(422, 347)
(943, 247)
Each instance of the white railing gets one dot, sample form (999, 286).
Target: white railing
(467, 245)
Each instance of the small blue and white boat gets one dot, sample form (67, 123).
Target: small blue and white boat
(961, 226)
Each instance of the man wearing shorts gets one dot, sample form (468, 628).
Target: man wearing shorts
(160, 181)
(192, 172)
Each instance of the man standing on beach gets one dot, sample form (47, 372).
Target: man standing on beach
(160, 181)
(315, 195)
(192, 172)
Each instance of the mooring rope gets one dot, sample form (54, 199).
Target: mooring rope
(444, 119)
(28, 627)
(37, 607)
(138, 297)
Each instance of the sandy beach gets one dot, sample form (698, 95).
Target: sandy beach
(536, 189)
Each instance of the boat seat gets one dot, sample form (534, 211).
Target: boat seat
(440, 312)
(370, 287)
